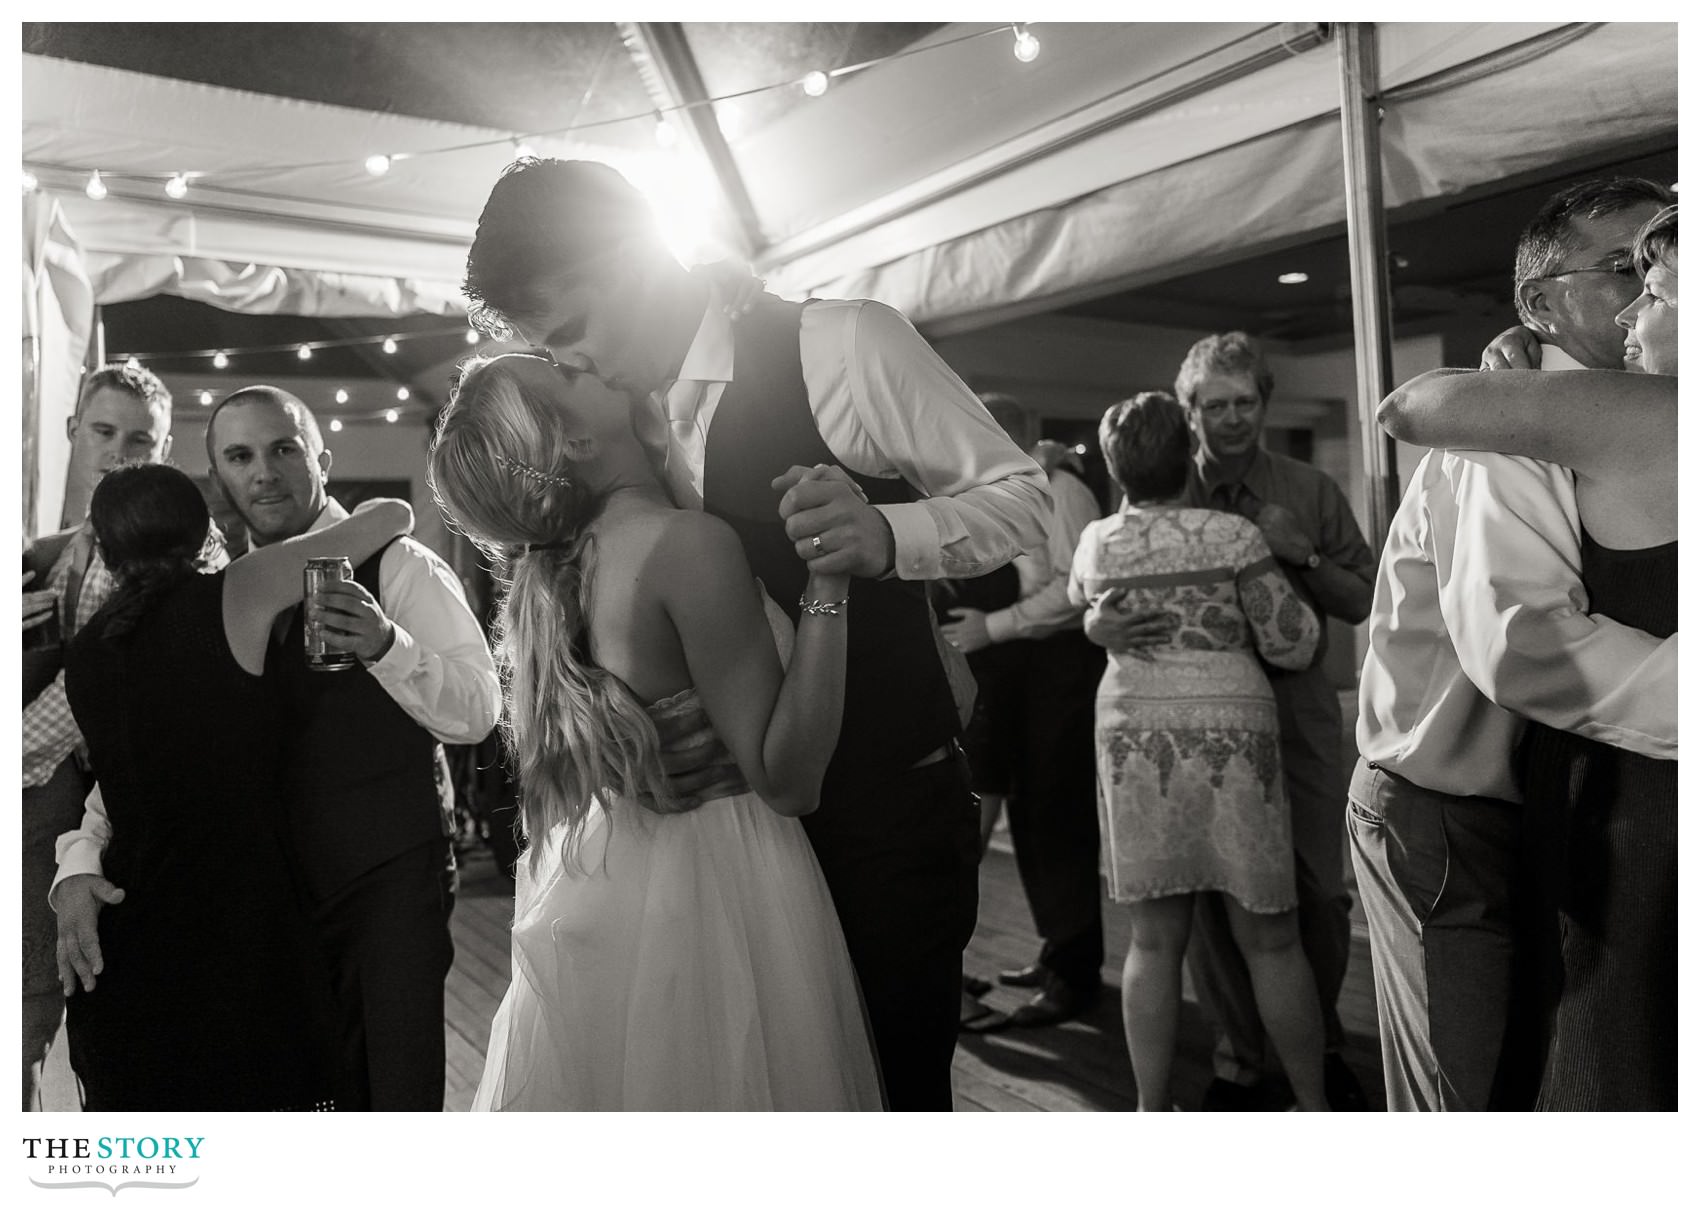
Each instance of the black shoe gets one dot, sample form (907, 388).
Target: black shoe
(1345, 1093)
(1224, 1096)
(1029, 978)
(975, 987)
(1056, 1003)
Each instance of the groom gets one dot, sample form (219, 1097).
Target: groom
(567, 256)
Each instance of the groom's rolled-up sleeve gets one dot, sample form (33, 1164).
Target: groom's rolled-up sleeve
(983, 500)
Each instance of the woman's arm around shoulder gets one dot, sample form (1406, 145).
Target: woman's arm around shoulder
(1283, 627)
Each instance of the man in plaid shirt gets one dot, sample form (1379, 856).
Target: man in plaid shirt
(123, 415)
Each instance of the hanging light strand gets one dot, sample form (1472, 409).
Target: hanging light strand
(380, 162)
(228, 352)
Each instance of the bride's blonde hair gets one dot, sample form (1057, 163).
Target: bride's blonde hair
(499, 470)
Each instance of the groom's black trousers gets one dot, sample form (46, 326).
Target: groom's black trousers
(902, 860)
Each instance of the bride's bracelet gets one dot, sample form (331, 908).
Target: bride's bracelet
(814, 606)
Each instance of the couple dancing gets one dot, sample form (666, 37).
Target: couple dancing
(715, 537)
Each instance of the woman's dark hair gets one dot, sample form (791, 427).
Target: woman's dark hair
(151, 522)
(1655, 243)
(1148, 446)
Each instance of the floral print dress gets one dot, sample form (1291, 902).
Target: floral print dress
(1189, 768)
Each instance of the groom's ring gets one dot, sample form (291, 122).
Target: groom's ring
(819, 550)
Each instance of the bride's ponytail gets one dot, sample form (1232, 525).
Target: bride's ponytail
(577, 735)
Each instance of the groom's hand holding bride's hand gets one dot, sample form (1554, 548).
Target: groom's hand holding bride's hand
(832, 526)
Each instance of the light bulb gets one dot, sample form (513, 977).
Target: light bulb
(177, 186)
(377, 164)
(472, 336)
(1292, 279)
(30, 183)
(389, 345)
(96, 188)
(1026, 45)
(666, 134)
(814, 84)
(342, 395)
(524, 150)
(402, 393)
(392, 415)
(221, 360)
(206, 398)
(336, 425)
(303, 352)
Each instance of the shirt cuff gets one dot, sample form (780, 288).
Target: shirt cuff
(1001, 625)
(916, 539)
(81, 856)
(398, 664)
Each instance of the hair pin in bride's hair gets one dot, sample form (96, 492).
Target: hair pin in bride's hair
(527, 472)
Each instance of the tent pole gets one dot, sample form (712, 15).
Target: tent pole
(1366, 233)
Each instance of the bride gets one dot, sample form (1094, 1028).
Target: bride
(668, 959)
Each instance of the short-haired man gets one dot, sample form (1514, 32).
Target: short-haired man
(1225, 384)
(567, 256)
(369, 805)
(1479, 622)
(122, 415)
(1038, 744)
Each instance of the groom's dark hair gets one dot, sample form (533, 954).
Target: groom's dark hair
(544, 221)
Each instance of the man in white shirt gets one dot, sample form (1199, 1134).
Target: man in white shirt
(567, 256)
(370, 808)
(1478, 622)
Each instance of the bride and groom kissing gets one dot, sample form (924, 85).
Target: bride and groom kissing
(718, 533)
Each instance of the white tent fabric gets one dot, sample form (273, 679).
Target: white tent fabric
(1247, 167)
(58, 317)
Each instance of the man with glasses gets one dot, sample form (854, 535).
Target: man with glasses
(1479, 621)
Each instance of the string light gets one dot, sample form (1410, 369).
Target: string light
(666, 134)
(221, 360)
(336, 425)
(342, 395)
(814, 84)
(96, 188)
(1026, 45)
(378, 164)
(303, 352)
(523, 150)
(392, 415)
(472, 336)
(389, 345)
(177, 186)
(401, 393)
(206, 398)
(1292, 279)
(30, 183)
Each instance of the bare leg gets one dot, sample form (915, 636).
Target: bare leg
(991, 808)
(1151, 993)
(1286, 996)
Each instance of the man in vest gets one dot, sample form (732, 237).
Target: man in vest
(567, 256)
(123, 415)
(370, 806)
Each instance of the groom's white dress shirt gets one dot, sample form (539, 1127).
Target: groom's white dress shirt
(886, 406)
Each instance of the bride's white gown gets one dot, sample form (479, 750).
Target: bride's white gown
(688, 962)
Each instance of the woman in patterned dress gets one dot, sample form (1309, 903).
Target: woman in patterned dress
(1189, 767)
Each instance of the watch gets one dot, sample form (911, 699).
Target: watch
(1314, 559)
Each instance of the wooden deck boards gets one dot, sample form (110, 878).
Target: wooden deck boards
(1079, 1066)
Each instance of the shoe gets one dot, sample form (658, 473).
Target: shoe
(1056, 1003)
(1029, 978)
(1345, 1093)
(978, 1018)
(975, 987)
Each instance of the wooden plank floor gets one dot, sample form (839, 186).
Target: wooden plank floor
(1078, 1066)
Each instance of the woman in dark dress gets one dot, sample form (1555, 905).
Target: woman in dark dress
(201, 992)
(1602, 820)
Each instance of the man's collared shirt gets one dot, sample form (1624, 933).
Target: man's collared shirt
(1043, 608)
(887, 406)
(1315, 500)
(1480, 620)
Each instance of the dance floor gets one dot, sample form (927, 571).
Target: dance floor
(1079, 1066)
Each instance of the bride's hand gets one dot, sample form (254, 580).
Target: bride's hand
(831, 525)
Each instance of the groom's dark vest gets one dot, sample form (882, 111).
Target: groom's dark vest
(361, 774)
(898, 706)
